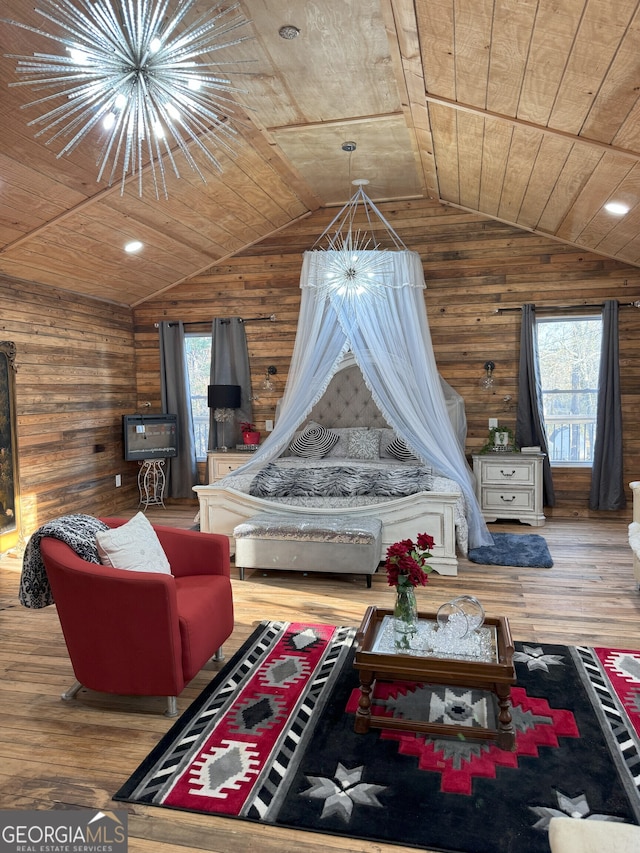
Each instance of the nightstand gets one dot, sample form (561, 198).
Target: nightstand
(220, 462)
(509, 486)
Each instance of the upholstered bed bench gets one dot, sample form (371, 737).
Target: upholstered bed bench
(309, 543)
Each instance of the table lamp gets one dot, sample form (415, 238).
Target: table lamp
(224, 400)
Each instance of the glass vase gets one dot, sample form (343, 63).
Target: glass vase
(405, 618)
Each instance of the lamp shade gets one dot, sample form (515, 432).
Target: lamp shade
(224, 396)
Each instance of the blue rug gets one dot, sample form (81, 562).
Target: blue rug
(526, 550)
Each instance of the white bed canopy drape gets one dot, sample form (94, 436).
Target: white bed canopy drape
(371, 302)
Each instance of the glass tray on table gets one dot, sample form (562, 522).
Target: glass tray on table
(431, 640)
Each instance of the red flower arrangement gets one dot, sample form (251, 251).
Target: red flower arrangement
(406, 562)
(250, 434)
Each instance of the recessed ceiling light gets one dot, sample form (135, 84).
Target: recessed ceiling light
(288, 32)
(617, 207)
(133, 246)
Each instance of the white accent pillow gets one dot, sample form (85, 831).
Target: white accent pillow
(134, 546)
(634, 538)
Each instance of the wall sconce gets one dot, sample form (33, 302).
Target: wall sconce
(267, 384)
(224, 400)
(508, 403)
(488, 382)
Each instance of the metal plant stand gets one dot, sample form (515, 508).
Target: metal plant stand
(151, 482)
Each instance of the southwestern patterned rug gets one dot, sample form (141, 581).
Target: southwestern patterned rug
(271, 739)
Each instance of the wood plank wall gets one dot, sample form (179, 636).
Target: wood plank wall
(83, 363)
(473, 266)
(75, 379)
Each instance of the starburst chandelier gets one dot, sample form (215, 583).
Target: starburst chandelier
(355, 262)
(137, 72)
(352, 270)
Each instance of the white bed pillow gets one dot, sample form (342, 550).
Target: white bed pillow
(314, 441)
(363, 444)
(134, 546)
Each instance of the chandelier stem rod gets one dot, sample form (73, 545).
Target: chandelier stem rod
(347, 215)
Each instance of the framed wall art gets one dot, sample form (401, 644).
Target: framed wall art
(9, 482)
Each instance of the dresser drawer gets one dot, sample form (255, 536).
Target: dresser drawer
(507, 471)
(222, 467)
(505, 500)
(220, 463)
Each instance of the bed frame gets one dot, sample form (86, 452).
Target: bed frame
(221, 509)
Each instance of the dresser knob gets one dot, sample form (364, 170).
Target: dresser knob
(507, 500)
(507, 473)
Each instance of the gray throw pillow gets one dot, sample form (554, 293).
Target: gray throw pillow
(364, 444)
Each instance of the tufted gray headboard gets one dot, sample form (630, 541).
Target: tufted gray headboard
(347, 402)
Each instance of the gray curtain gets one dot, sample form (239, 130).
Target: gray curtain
(607, 489)
(182, 472)
(530, 429)
(230, 366)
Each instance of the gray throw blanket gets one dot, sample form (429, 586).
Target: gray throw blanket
(78, 532)
(275, 481)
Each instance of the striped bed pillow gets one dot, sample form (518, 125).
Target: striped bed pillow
(400, 450)
(313, 442)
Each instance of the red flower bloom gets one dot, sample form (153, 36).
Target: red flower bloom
(425, 541)
(407, 561)
(399, 549)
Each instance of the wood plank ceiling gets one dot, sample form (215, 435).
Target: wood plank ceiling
(526, 111)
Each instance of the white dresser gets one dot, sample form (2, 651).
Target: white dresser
(220, 462)
(509, 486)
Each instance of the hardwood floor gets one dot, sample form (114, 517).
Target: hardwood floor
(55, 754)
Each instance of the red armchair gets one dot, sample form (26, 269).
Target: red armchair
(142, 633)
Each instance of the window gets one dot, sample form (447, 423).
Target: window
(569, 356)
(198, 351)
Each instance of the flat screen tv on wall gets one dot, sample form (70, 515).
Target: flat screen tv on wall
(149, 436)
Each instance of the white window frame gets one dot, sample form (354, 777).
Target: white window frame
(199, 412)
(581, 431)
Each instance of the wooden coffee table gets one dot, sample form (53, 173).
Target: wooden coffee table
(496, 675)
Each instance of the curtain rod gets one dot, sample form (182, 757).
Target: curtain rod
(271, 318)
(225, 321)
(567, 307)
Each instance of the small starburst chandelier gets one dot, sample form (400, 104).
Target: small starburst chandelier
(352, 269)
(356, 263)
(136, 72)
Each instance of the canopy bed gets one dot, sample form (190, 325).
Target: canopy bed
(279, 485)
(362, 362)
(362, 310)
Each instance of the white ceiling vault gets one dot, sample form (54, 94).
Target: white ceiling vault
(526, 111)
